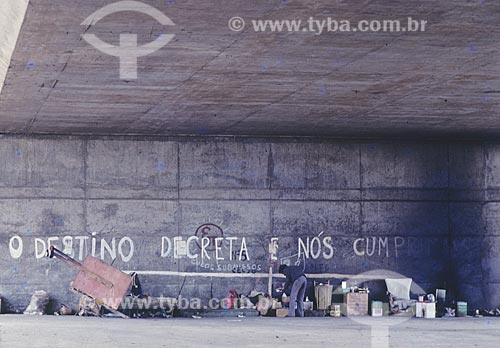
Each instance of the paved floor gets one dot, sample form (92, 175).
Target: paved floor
(52, 331)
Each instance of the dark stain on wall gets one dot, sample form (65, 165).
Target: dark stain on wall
(427, 210)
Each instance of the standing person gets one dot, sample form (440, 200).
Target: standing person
(295, 286)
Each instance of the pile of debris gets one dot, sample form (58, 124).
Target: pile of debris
(38, 303)
(489, 312)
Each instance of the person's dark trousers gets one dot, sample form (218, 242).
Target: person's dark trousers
(297, 296)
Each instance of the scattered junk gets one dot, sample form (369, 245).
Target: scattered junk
(356, 302)
(276, 304)
(38, 303)
(136, 289)
(264, 305)
(398, 291)
(459, 311)
(309, 305)
(97, 280)
(489, 312)
(344, 288)
(335, 311)
(431, 298)
(149, 307)
(64, 310)
(257, 300)
(254, 296)
(450, 312)
(284, 299)
(245, 302)
(282, 312)
(140, 305)
(232, 300)
(102, 286)
(88, 307)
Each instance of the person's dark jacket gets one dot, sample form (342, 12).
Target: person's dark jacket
(292, 273)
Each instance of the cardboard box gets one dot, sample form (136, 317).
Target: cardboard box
(426, 310)
(430, 310)
(420, 310)
(281, 312)
(356, 303)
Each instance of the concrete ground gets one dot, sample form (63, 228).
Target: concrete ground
(52, 331)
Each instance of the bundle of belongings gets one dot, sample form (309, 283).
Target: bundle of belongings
(88, 307)
(262, 302)
(64, 310)
(489, 312)
(137, 304)
(398, 291)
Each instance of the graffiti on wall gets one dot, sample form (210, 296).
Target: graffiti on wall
(210, 249)
(378, 246)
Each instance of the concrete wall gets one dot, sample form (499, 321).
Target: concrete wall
(12, 14)
(426, 210)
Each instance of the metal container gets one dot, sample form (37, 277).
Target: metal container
(308, 305)
(461, 309)
(335, 311)
(323, 294)
(377, 309)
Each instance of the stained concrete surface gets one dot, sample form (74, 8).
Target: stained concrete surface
(426, 210)
(50, 331)
(11, 18)
(211, 80)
